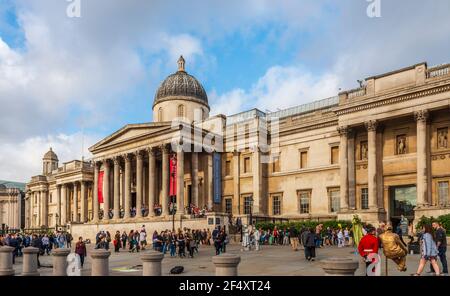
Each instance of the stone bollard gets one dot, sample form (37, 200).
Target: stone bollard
(30, 261)
(100, 262)
(60, 261)
(6, 261)
(339, 266)
(151, 263)
(226, 264)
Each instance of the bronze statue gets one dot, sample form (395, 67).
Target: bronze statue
(393, 248)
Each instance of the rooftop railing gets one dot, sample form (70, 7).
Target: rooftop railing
(305, 108)
(358, 92)
(437, 71)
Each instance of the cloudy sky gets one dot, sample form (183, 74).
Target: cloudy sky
(68, 81)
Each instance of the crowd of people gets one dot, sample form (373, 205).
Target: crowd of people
(44, 242)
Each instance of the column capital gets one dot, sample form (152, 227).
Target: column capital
(344, 130)
(371, 125)
(421, 115)
(127, 157)
(150, 151)
(97, 163)
(164, 148)
(139, 155)
(116, 160)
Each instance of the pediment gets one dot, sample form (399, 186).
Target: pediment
(130, 132)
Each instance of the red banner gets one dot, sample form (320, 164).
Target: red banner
(173, 175)
(100, 187)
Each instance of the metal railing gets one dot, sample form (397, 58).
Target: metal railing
(305, 108)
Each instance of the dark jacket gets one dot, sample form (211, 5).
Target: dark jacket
(80, 249)
(310, 240)
(36, 243)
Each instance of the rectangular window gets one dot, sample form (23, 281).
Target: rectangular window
(364, 198)
(247, 164)
(228, 168)
(248, 204)
(303, 201)
(335, 155)
(228, 206)
(334, 200)
(276, 205)
(443, 192)
(303, 159)
(50, 199)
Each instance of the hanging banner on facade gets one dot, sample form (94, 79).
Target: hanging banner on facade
(100, 187)
(217, 177)
(173, 175)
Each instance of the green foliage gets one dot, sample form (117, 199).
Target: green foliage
(444, 219)
(304, 224)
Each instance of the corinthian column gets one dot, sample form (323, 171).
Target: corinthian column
(116, 187)
(195, 178)
(371, 126)
(95, 216)
(107, 191)
(343, 164)
(127, 206)
(44, 220)
(210, 181)
(180, 182)
(151, 181)
(58, 205)
(63, 204)
(83, 208)
(165, 180)
(139, 187)
(422, 169)
(75, 202)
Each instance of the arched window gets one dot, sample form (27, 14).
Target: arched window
(160, 114)
(180, 112)
(204, 113)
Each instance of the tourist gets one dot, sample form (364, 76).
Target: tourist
(80, 249)
(368, 245)
(14, 243)
(181, 245)
(143, 238)
(172, 245)
(46, 244)
(308, 240)
(69, 239)
(257, 236)
(441, 243)
(36, 243)
(429, 251)
(346, 237)
(116, 241)
(124, 240)
(340, 237)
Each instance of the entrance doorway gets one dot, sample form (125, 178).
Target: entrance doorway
(403, 200)
(189, 197)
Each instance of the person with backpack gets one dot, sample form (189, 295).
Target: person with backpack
(124, 238)
(181, 245)
(36, 243)
(69, 239)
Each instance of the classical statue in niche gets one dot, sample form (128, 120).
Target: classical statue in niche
(363, 150)
(401, 145)
(442, 138)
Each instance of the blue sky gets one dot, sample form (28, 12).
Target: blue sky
(61, 75)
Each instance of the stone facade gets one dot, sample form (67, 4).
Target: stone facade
(378, 151)
(11, 204)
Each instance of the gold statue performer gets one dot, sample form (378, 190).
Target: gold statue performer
(393, 248)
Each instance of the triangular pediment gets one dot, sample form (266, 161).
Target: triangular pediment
(130, 132)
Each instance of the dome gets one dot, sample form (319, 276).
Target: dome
(50, 155)
(181, 86)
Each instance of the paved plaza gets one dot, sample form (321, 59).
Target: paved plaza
(271, 260)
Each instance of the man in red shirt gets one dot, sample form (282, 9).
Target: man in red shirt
(368, 245)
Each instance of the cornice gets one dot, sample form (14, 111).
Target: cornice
(391, 100)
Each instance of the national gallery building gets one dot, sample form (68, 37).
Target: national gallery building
(379, 151)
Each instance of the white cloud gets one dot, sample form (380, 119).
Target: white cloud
(24, 159)
(280, 87)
